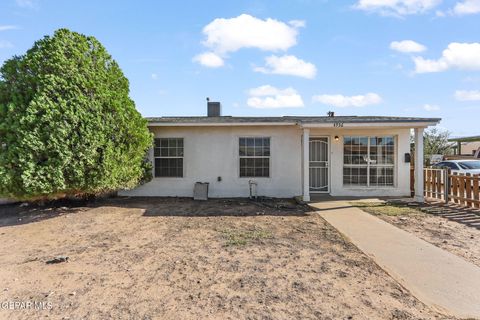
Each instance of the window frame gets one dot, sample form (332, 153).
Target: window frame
(168, 157)
(369, 165)
(269, 157)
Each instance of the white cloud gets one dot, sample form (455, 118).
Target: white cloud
(269, 97)
(467, 7)
(27, 3)
(224, 36)
(341, 101)
(407, 46)
(288, 65)
(467, 95)
(431, 107)
(297, 23)
(154, 76)
(397, 7)
(465, 56)
(7, 27)
(425, 65)
(245, 31)
(209, 59)
(5, 44)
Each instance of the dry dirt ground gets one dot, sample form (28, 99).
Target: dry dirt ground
(459, 239)
(180, 259)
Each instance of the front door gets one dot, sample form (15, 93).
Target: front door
(319, 166)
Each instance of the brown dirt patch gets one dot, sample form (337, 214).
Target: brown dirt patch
(179, 259)
(452, 236)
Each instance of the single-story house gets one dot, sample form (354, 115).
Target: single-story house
(284, 156)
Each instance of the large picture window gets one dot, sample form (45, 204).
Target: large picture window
(168, 154)
(368, 161)
(254, 157)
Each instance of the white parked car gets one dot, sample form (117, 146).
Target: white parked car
(461, 166)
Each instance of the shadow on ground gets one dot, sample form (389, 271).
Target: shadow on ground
(219, 207)
(18, 214)
(464, 215)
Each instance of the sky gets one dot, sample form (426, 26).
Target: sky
(416, 58)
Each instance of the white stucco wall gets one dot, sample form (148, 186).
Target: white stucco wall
(211, 152)
(402, 173)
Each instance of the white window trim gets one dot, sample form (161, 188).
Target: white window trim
(160, 157)
(240, 157)
(368, 186)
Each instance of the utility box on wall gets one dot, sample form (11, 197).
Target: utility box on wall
(200, 191)
(408, 158)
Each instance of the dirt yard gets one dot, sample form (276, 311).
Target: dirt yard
(180, 259)
(452, 236)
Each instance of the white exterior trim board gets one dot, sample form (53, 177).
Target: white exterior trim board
(363, 125)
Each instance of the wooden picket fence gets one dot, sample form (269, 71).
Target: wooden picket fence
(462, 189)
(465, 189)
(434, 183)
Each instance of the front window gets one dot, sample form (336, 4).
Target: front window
(168, 154)
(368, 161)
(254, 157)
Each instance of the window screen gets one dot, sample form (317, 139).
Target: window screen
(254, 157)
(168, 154)
(368, 161)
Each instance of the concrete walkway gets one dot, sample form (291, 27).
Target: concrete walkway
(436, 277)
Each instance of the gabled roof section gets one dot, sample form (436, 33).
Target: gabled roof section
(288, 120)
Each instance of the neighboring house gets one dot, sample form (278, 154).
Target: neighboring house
(466, 146)
(470, 148)
(284, 156)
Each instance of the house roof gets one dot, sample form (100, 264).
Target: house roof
(466, 139)
(289, 120)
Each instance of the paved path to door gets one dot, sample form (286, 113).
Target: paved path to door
(436, 277)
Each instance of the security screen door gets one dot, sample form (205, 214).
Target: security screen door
(319, 166)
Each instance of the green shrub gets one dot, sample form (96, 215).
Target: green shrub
(67, 123)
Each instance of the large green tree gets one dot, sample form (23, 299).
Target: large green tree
(435, 141)
(67, 123)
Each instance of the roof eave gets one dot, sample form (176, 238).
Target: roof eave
(351, 125)
(465, 139)
(218, 124)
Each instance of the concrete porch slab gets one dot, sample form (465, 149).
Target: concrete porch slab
(436, 277)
